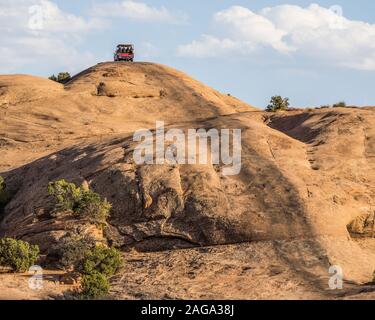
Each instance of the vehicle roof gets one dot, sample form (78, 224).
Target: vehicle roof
(125, 45)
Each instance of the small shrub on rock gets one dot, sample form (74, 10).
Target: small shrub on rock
(17, 254)
(53, 78)
(66, 195)
(72, 250)
(62, 77)
(341, 104)
(81, 201)
(92, 207)
(106, 261)
(99, 264)
(278, 103)
(94, 286)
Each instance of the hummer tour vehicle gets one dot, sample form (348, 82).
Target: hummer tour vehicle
(124, 52)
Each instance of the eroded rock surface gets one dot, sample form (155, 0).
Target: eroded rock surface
(306, 186)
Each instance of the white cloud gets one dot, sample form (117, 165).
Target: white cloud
(38, 32)
(246, 26)
(314, 32)
(139, 11)
(147, 50)
(43, 16)
(210, 46)
(47, 16)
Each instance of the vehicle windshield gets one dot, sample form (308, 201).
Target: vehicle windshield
(124, 49)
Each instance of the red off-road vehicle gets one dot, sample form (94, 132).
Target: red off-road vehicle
(124, 52)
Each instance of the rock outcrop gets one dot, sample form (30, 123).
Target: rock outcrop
(306, 185)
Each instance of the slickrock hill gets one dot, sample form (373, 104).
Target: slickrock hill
(303, 201)
(39, 115)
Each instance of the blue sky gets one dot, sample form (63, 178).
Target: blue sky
(315, 53)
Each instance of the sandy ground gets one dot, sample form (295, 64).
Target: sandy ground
(20, 286)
